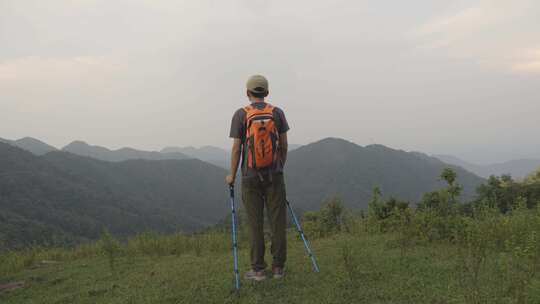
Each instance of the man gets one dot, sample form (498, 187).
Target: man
(260, 136)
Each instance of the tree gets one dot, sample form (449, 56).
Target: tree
(503, 192)
(443, 202)
(533, 178)
(332, 215)
(375, 204)
(454, 189)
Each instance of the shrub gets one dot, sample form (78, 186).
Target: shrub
(327, 221)
(384, 216)
(111, 248)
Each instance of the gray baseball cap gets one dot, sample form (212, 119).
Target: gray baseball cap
(257, 84)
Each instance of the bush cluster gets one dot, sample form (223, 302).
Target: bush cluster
(502, 223)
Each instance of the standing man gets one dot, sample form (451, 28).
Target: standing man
(259, 131)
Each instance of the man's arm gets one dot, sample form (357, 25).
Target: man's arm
(284, 146)
(235, 160)
(283, 127)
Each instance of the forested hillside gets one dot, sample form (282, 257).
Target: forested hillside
(336, 167)
(63, 198)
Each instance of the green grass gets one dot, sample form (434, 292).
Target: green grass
(359, 268)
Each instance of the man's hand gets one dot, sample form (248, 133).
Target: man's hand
(229, 179)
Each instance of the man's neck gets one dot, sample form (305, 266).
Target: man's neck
(257, 100)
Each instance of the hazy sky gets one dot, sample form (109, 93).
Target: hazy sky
(453, 77)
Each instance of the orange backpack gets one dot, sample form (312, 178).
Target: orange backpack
(261, 137)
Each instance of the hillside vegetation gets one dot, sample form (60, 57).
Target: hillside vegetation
(62, 198)
(441, 252)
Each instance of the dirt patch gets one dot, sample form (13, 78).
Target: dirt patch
(11, 286)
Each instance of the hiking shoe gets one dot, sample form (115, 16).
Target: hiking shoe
(278, 272)
(255, 275)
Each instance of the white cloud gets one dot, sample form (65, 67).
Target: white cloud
(532, 66)
(463, 23)
(486, 32)
(528, 61)
(470, 20)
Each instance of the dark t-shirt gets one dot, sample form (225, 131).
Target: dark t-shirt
(238, 130)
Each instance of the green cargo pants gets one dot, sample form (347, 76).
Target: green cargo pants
(255, 194)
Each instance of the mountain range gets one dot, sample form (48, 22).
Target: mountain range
(518, 168)
(214, 155)
(83, 149)
(61, 197)
(211, 154)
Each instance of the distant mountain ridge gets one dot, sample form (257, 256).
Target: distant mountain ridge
(518, 168)
(211, 154)
(293, 147)
(97, 152)
(30, 144)
(214, 155)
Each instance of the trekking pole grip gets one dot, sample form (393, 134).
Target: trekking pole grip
(231, 190)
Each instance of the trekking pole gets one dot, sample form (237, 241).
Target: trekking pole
(234, 240)
(303, 236)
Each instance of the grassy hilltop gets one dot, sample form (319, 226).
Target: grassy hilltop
(426, 274)
(486, 251)
(356, 268)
